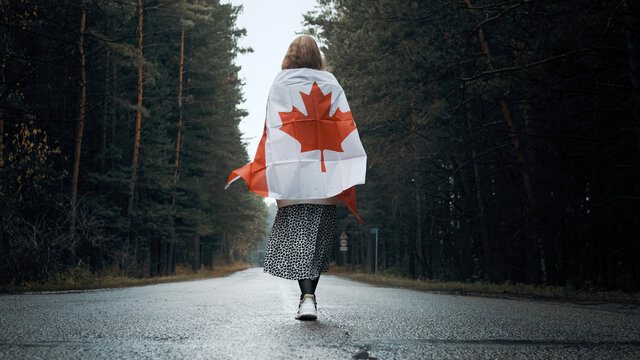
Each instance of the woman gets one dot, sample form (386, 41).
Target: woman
(300, 241)
(310, 156)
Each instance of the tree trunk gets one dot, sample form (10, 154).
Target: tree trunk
(481, 215)
(196, 253)
(353, 253)
(362, 260)
(172, 258)
(420, 248)
(476, 187)
(176, 164)
(105, 105)
(2, 136)
(79, 125)
(3, 84)
(411, 250)
(154, 257)
(114, 95)
(515, 142)
(162, 257)
(383, 246)
(632, 11)
(3, 81)
(431, 237)
(136, 142)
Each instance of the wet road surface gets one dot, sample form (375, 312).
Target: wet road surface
(250, 315)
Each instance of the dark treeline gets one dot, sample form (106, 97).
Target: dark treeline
(118, 127)
(503, 136)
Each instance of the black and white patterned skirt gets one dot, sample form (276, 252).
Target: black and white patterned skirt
(300, 241)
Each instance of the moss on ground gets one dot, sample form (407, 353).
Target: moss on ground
(83, 279)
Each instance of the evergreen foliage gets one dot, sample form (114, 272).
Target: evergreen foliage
(39, 106)
(503, 136)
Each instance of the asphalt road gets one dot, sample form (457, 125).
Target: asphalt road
(250, 315)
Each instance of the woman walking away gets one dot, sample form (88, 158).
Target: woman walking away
(309, 158)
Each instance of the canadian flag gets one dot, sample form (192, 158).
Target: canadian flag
(310, 147)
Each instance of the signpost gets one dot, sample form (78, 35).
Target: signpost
(375, 265)
(344, 247)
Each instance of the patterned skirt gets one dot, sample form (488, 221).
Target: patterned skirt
(300, 241)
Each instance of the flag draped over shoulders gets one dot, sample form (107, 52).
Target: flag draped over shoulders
(310, 147)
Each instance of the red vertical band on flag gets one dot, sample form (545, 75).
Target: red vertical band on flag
(255, 172)
(348, 197)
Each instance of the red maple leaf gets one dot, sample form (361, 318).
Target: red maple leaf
(317, 130)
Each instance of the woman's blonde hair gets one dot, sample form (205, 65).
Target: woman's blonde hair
(303, 53)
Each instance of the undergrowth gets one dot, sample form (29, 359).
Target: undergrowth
(482, 288)
(83, 279)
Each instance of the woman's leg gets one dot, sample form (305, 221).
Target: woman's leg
(307, 307)
(308, 286)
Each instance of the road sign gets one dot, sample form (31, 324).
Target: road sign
(343, 242)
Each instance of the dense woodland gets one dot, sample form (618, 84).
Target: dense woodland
(118, 128)
(503, 136)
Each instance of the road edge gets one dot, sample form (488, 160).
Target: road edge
(585, 298)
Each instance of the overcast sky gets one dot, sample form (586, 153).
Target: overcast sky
(271, 27)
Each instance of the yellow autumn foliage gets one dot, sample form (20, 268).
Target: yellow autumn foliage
(30, 152)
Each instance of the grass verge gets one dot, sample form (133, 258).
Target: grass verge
(503, 290)
(83, 279)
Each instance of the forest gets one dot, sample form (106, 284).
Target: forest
(503, 136)
(119, 125)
